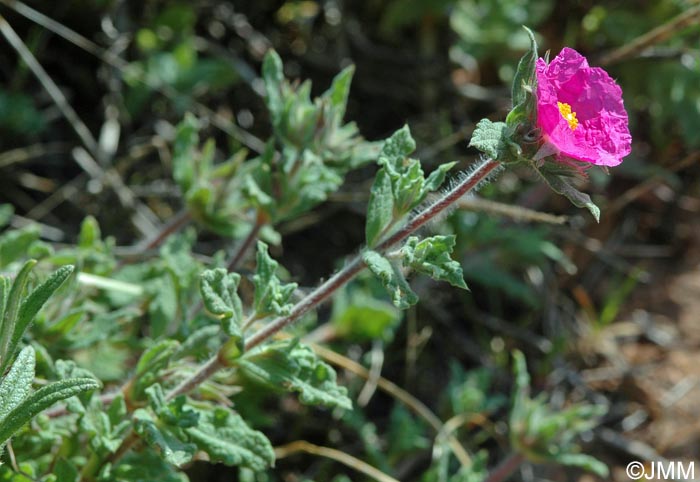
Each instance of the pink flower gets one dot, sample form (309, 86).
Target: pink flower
(580, 111)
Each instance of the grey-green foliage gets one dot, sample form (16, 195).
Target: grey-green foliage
(177, 428)
(292, 367)
(306, 158)
(272, 296)
(432, 257)
(219, 291)
(543, 434)
(18, 311)
(18, 405)
(400, 184)
(390, 274)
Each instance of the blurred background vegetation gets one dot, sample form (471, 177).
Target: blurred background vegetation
(605, 313)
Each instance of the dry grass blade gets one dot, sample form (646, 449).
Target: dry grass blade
(654, 36)
(219, 121)
(333, 454)
(415, 405)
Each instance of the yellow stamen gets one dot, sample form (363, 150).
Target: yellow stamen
(566, 113)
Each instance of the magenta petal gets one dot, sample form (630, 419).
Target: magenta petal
(602, 134)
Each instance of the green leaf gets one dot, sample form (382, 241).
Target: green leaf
(562, 184)
(9, 319)
(184, 150)
(273, 76)
(174, 413)
(432, 257)
(165, 440)
(42, 399)
(380, 210)
(219, 291)
(90, 234)
(491, 139)
(15, 386)
(36, 300)
(524, 85)
(153, 360)
(6, 213)
(392, 278)
(227, 439)
(293, 367)
(437, 177)
(585, 462)
(141, 466)
(339, 90)
(15, 243)
(396, 149)
(364, 317)
(163, 304)
(271, 295)
(66, 471)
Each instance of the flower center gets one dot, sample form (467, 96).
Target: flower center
(568, 115)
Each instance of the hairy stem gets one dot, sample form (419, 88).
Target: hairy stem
(326, 289)
(336, 281)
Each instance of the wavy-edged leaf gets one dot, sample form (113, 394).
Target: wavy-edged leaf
(227, 439)
(165, 440)
(432, 257)
(293, 367)
(219, 290)
(151, 362)
(392, 278)
(271, 295)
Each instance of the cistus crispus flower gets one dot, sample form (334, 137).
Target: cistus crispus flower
(580, 111)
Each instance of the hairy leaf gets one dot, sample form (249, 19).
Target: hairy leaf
(219, 291)
(227, 439)
(167, 441)
(292, 367)
(271, 295)
(15, 386)
(153, 360)
(562, 184)
(432, 257)
(380, 211)
(392, 278)
(491, 139)
(42, 399)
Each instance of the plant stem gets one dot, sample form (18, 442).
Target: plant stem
(245, 245)
(506, 468)
(322, 293)
(204, 372)
(326, 289)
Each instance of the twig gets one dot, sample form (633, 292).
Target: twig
(50, 86)
(320, 294)
(506, 468)
(179, 221)
(120, 64)
(515, 212)
(242, 250)
(333, 454)
(654, 36)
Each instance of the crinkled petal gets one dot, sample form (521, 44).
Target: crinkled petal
(602, 136)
